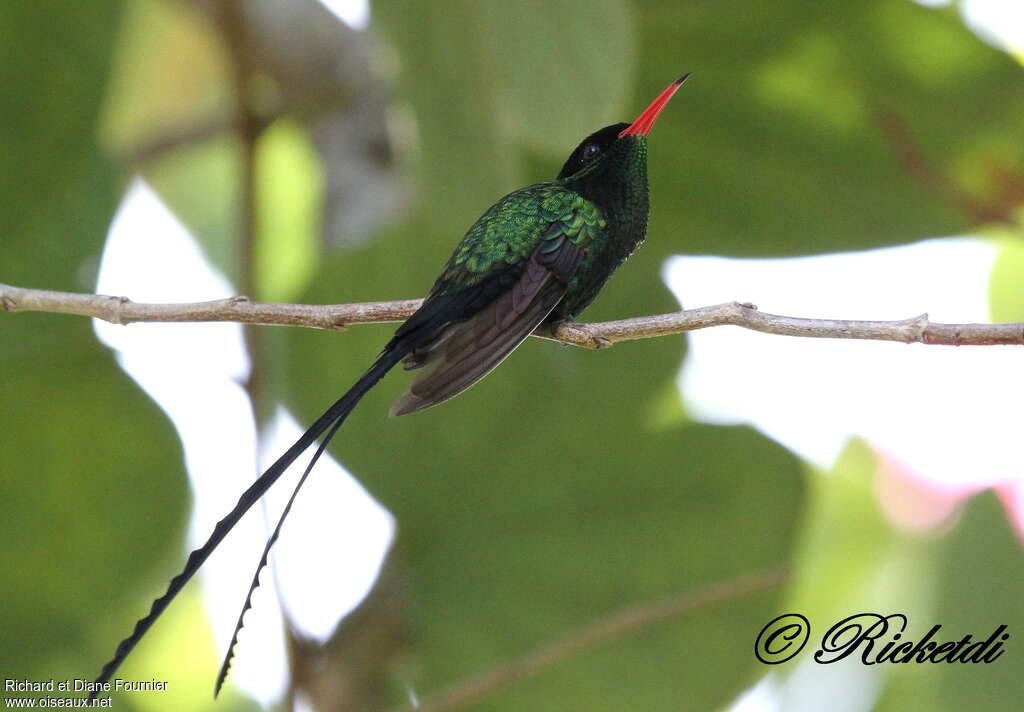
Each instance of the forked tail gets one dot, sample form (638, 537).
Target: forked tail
(329, 422)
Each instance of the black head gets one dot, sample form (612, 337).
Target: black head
(600, 143)
(591, 148)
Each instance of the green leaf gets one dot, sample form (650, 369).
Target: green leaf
(1005, 297)
(96, 474)
(56, 190)
(977, 587)
(981, 587)
(843, 537)
(289, 195)
(788, 137)
(170, 74)
(552, 91)
(485, 79)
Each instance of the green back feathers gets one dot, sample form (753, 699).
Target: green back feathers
(508, 232)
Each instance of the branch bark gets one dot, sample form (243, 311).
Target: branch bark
(121, 310)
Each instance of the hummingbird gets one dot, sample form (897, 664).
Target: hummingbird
(538, 256)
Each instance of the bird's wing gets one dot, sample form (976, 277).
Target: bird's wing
(510, 271)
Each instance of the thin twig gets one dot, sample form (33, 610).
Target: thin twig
(137, 155)
(121, 310)
(1000, 209)
(232, 21)
(619, 623)
(230, 16)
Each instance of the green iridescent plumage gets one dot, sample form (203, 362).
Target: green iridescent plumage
(540, 253)
(509, 231)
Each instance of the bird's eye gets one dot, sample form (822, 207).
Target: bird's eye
(590, 151)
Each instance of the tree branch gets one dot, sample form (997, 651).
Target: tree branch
(619, 623)
(121, 310)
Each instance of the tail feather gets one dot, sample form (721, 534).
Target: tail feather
(329, 422)
(225, 666)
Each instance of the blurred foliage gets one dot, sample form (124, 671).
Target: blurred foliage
(1005, 295)
(91, 477)
(288, 195)
(975, 585)
(170, 73)
(567, 485)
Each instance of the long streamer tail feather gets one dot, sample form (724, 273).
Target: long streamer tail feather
(225, 666)
(455, 338)
(331, 420)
